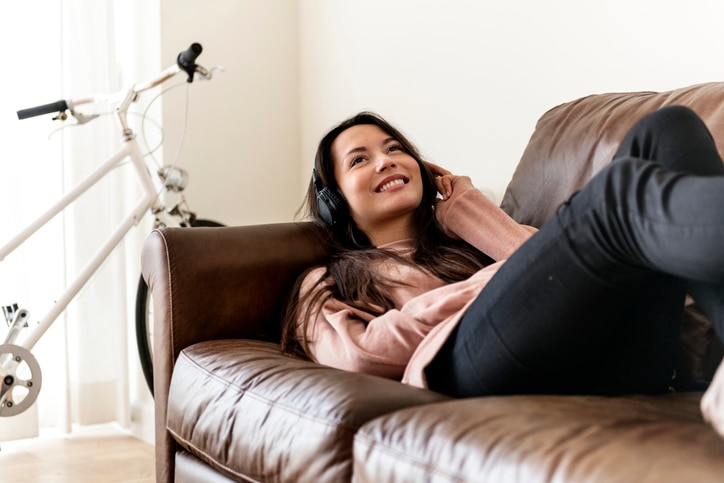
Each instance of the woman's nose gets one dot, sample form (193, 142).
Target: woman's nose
(384, 162)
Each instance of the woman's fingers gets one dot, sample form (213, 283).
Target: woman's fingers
(437, 170)
(443, 179)
(444, 185)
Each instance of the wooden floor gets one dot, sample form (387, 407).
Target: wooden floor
(99, 455)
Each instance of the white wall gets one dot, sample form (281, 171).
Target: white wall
(465, 79)
(242, 143)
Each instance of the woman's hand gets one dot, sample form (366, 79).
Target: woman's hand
(446, 181)
(443, 179)
(436, 170)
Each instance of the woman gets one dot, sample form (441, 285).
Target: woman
(450, 293)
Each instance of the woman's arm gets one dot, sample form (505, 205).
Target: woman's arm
(345, 337)
(464, 212)
(342, 336)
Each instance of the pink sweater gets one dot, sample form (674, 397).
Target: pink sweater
(401, 343)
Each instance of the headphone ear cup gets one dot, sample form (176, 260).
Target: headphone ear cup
(331, 206)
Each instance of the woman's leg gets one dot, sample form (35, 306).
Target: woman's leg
(679, 140)
(676, 138)
(554, 316)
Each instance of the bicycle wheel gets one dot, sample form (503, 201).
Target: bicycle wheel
(144, 320)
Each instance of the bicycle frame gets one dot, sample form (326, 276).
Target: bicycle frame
(148, 201)
(15, 350)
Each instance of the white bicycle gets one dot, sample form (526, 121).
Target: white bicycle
(20, 374)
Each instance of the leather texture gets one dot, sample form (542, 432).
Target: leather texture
(575, 140)
(217, 283)
(230, 406)
(254, 414)
(541, 439)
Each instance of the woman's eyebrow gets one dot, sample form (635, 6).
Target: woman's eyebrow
(360, 149)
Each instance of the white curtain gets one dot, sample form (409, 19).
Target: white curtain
(70, 49)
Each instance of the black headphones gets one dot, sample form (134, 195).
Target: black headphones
(331, 205)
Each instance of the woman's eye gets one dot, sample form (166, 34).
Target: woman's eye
(395, 147)
(355, 161)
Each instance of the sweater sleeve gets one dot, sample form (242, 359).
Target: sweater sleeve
(469, 215)
(348, 338)
(345, 337)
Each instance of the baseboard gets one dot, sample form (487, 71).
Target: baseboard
(142, 421)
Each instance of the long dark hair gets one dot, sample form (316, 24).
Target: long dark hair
(349, 275)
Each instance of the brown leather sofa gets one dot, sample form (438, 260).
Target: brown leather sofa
(229, 406)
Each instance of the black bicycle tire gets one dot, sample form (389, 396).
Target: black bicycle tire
(143, 299)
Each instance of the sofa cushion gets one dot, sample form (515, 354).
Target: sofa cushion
(543, 438)
(252, 413)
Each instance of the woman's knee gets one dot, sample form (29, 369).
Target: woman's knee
(676, 113)
(675, 137)
(671, 119)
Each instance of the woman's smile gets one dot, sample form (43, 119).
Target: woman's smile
(391, 182)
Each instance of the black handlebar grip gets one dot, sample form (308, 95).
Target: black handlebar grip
(58, 106)
(187, 60)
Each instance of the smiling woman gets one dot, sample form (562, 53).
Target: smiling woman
(355, 160)
(550, 314)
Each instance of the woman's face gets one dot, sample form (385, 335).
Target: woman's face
(381, 182)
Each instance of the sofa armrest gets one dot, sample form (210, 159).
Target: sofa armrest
(218, 283)
(221, 283)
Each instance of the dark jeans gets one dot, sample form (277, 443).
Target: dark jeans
(592, 303)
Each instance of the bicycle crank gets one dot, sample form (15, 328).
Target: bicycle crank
(21, 379)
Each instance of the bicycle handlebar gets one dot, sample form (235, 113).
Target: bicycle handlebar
(57, 106)
(185, 61)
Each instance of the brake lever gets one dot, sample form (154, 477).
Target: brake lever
(82, 118)
(204, 74)
(79, 117)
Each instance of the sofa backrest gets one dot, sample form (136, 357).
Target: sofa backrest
(573, 141)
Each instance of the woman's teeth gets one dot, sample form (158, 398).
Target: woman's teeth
(389, 185)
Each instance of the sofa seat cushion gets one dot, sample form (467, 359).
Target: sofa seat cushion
(252, 413)
(543, 438)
